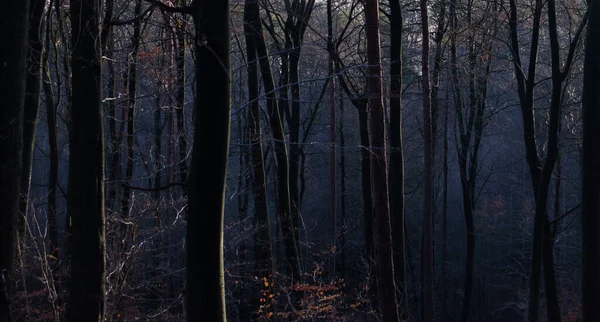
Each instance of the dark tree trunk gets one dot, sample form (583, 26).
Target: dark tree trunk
(379, 183)
(363, 128)
(343, 188)
(282, 175)
(14, 18)
(332, 137)
(31, 108)
(427, 247)
(205, 283)
(396, 154)
(590, 171)
(445, 217)
(85, 202)
(262, 226)
(541, 171)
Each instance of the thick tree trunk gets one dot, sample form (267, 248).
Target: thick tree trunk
(31, 108)
(427, 251)
(396, 154)
(205, 285)
(590, 171)
(85, 202)
(379, 183)
(14, 18)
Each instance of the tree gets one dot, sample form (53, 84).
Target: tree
(275, 116)
(14, 18)
(205, 285)
(32, 107)
(590, 170)
(262, 235)
(379, 184)
(396, 153)
(427, 247)
(85, 203)
(470, 115)
(541, 169)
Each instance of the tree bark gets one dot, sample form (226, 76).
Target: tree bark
(85, 202)
(396, 154)
(205, 280)
(379, 183)
(14, 18)
(427, 251)
(590, 171)
(31, 108)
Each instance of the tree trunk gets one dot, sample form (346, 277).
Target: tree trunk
(590, 171)
(396, 154)
(332, 136)
(205, 283)
(85, 202)
(445, 218)
(31, 108)
(282, 175)
(343, 188)
(14, 18)
(262, 226)
(379, 183)
(427, 251)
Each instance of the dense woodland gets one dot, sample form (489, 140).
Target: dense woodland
(299, 160)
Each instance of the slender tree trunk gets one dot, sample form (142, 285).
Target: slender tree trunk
(14, 18)
(85, 202)
(343, 189)
(363, 127)
(31, 108)
(396, 154)
(262, 235)
(205, 285)
(379, 184)
(427, 251)
(332, 136)
(590, 171)
(282, 174)
(445, 219)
